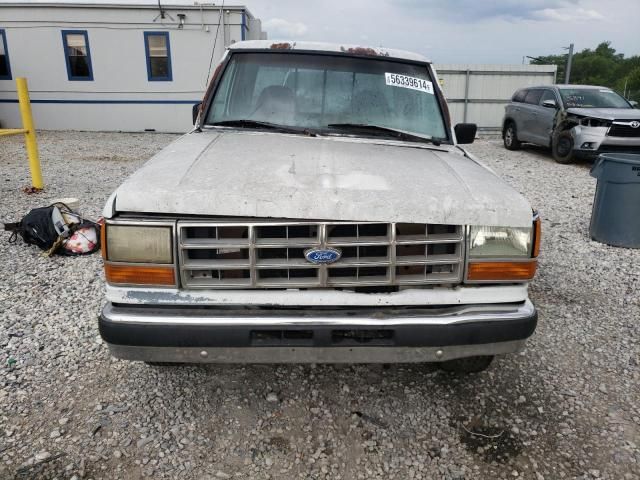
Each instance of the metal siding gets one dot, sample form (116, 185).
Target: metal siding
(457, 111)
(490, 88)
(453, 84)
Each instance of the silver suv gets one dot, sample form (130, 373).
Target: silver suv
(576, 121)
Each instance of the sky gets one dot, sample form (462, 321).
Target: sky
(453, 31)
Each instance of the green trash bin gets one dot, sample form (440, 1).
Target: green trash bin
(615, 219)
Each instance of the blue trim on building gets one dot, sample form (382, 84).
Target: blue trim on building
(3, 39)
(243, 26)
(167, 78)
(65, 47)
(109, 102)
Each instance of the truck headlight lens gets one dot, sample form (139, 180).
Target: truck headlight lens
(138, 244)
(503, 254)
(500, 242)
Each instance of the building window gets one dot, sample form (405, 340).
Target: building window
(158, 51)
(5, 67)
(77, 54)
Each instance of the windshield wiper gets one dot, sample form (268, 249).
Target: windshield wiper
(400, 134)
(246, 123)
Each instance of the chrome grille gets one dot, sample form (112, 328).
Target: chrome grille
(270, 254)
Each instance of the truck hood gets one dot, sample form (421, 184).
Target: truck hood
(257, 174)
(607, 113)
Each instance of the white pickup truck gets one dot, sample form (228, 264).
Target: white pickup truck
(321, 210)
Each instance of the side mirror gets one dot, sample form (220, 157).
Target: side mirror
(549, 104)
(465, 132)
(195, 110)
(633, 103)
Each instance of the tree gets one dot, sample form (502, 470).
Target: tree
(631, 82)
(602, 66)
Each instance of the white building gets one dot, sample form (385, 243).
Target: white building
(127, 67)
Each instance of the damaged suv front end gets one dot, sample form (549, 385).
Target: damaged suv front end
(576, 121)
(321, 211)
(596, 131)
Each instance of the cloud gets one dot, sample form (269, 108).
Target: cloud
(471, 10)
(279, 27)
(567, 14)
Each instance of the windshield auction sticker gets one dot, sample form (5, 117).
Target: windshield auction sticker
(403, 81)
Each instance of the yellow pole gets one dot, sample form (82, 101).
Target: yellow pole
(30, 133)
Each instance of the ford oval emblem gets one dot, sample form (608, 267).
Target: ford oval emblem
(320, 256)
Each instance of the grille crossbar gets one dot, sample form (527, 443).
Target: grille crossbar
(268, 254)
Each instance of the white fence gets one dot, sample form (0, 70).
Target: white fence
(478, 93)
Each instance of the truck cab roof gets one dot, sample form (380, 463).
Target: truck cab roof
(327, 48)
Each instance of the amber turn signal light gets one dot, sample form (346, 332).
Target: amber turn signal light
(139, 275)
(502, 271)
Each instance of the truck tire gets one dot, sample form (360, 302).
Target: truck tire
(562, 147)
(467, 365)
(510, 137)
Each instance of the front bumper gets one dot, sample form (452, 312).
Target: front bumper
(601, 142)
(318, 335)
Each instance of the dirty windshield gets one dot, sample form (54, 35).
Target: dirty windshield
(592, 98)
(328, 93)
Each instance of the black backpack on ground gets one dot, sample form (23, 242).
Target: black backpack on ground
(38, 227)
(35, 228)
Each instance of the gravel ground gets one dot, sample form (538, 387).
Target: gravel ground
(566, 407)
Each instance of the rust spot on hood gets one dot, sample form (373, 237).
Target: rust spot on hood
(281, 46)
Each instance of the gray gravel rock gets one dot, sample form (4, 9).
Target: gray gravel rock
(565, 407)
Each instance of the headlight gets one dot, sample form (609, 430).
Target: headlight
(503, 254)
(500, 242)
(135, 244)
(594, 122)
(138, 255)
